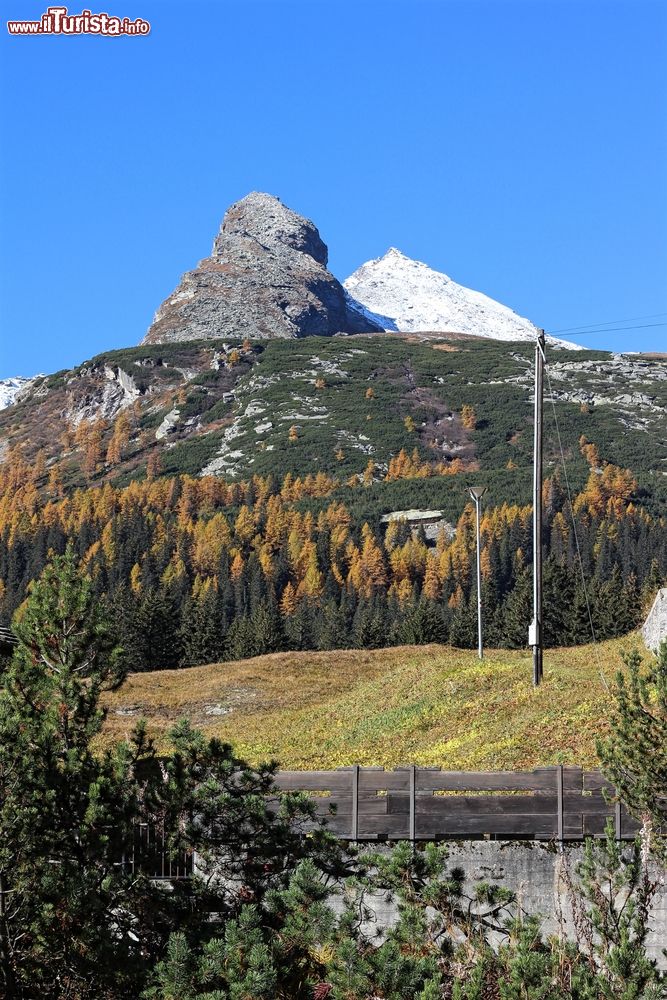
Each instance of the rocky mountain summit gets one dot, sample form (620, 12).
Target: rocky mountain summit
(267, 277)
(408, 296)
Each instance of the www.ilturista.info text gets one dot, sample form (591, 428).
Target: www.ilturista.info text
(57, 21)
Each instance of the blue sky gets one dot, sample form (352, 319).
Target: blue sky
(518, 146)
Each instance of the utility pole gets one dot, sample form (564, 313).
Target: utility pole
(477, 492)
(535, 630)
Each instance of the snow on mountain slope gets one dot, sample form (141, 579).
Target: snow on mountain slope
(11, 387)
(411, 297)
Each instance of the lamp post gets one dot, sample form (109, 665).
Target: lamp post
(535, 631)
(476, 493)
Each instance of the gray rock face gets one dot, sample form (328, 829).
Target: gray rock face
(654, 629)
(266, 278)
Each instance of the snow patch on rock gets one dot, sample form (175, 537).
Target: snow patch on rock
(11, 389)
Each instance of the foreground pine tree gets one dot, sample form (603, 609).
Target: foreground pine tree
(634, 756)
(612, 905)
(65, 813)
(75, 922)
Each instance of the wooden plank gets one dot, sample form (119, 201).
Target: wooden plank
(559, 796)
(594, 825)
(338, 822)
(383, 780)
(398, 826)
(340, 805)
(463, 805)
(485, 781)
(573, 827)
(313, 781)
(413, 817)
(398, 802)
(373, 807)
(539, 805)
(588, 806)
(478, 825)
(594, 781)
(572, 778)
(631, 826)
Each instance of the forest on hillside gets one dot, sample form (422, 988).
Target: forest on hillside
(198, 570)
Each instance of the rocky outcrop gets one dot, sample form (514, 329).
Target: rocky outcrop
(654, 629)
(11, 389)
(266, 278)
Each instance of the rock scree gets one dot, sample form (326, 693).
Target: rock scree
(266, 278)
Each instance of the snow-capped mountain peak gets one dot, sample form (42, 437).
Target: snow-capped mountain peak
(408, 296)
(395, 252)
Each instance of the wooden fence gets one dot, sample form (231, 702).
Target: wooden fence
(423, 803)
(150, 856)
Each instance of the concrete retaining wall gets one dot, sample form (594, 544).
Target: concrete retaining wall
(535, 872)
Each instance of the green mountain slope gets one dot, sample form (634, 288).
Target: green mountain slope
(335, 404)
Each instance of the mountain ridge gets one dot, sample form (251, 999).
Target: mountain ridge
(338, 405)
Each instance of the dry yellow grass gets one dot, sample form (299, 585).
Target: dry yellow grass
(430, 705)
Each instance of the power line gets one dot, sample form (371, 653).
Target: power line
(610, 322)
(614, 329)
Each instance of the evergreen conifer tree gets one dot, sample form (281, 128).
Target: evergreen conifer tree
(557, 601)
(612, 905)
(370, 625)
(463, 627)
(202, 629)
(65, 812)
(332, 626)
(266, 629)
(634, 756)
(518, 612)
(583, 606)
(423, 623)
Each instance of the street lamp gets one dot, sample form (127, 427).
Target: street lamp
(476, 494)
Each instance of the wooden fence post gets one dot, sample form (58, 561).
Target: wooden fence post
(559, 795)
(617, 820)
(413, 802)
(355, 802)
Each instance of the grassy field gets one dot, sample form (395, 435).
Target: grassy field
(429, 705)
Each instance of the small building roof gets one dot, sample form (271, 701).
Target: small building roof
(412, 515)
